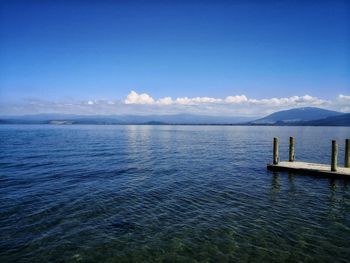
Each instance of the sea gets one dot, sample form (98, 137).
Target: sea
(157, 193)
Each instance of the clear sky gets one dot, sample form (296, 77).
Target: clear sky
(102, 50)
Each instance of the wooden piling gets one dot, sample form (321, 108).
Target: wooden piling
(291, 149)
(347, 153)
(275, 151)
(334, 163)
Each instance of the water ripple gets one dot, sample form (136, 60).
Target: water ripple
(167, 194)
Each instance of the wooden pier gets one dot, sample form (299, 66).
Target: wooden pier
(332, 170)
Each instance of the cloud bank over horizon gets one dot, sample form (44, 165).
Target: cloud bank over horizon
(144, 98)
(144, 104)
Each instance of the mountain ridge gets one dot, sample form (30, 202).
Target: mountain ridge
(306, 116)
(125, 119)
(297, 115)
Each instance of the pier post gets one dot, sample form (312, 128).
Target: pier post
(347, 153)
(334, 163)
(291, 149)
(275, 151)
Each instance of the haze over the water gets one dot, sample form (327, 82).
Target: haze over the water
(241, 58)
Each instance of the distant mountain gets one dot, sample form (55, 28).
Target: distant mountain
(60, 119)
(340, 120)
(296, 116)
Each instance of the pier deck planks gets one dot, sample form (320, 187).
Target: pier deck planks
(310, 168)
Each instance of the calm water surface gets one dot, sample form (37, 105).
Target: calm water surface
(168, 194)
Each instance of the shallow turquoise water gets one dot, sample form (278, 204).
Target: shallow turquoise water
(168, 194)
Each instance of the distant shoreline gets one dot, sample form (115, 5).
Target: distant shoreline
(307, 116)
(177, 124)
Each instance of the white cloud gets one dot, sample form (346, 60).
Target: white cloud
(290, 101)
(196, 100)
(144, 98)
(165, 101)
(134, 98)
(343, 103)
(236, 99)
(205, 100)
(344, 97)
(184, 100)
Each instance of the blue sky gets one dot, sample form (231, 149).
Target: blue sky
(90, 51)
